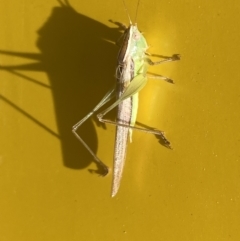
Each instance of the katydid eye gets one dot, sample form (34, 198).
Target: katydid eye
(136, 36)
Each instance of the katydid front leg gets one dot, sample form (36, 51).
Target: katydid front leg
(175, 57)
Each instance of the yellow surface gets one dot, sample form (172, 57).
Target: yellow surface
(57, 63)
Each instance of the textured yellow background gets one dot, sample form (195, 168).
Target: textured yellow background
(56, 64)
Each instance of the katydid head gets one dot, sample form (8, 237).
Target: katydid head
(134, 35)
(134, 44)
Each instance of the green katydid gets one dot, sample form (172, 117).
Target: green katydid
(131, 75)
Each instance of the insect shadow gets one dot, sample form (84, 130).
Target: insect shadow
(79, 63)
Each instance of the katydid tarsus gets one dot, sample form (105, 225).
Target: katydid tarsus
(131, 76)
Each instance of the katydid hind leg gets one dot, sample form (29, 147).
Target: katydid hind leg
(161, 137)
(135, 86)
(159, 134)
(105, 99)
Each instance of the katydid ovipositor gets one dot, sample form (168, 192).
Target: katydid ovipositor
(131, 75)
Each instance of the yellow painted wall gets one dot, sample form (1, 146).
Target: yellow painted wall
(56, 62)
